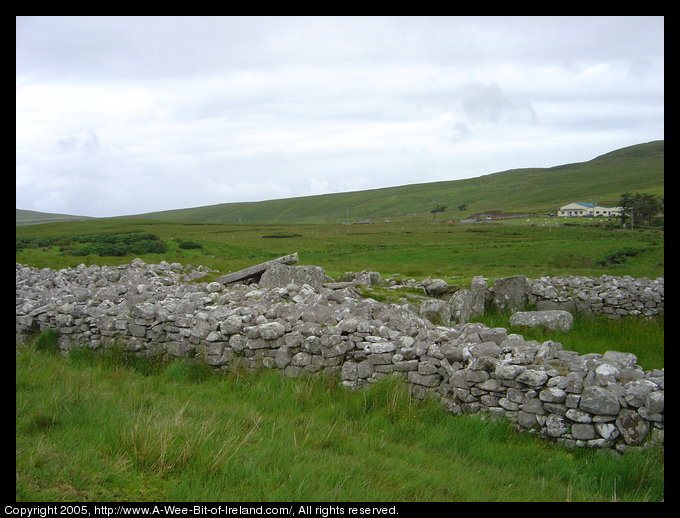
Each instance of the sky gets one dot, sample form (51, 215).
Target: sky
(128, 115)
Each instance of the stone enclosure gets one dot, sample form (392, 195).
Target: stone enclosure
(299, 321)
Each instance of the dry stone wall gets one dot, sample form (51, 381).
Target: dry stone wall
(301, 323)
(607, 295)
(613, 297)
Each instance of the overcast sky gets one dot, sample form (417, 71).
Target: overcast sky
(126, 115)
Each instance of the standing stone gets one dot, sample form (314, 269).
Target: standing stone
(509, 294)
(460, 307)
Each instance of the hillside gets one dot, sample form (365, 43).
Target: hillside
(536, 190)
(32, 217)
(638, 168)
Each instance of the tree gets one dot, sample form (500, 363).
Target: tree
(640, 208)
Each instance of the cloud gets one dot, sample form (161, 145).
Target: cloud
(488, 104)
(86, 141)
(124, 115)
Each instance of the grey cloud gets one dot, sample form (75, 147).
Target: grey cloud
(86, 141)
(489, 104)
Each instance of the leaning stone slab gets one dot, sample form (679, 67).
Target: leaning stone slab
(256, 270)
(554, 319)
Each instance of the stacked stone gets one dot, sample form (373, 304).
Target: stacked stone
(614, 297)
(581, 400)
(590, 400)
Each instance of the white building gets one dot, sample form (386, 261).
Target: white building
(582, 208)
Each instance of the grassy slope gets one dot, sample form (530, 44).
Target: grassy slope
(31, 217)
(539, 190)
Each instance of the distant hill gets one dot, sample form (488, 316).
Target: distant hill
(638, 168)
(32, 217)
(602, 180)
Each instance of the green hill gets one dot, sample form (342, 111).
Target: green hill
(32, 217)
(538, 190)
(638, 168)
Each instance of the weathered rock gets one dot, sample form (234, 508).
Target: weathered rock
(436, 311)
(460, 305)
(366, 278)
(632, 426)
(599, 401)
(510, 293)
(436, 287)
(532, 377)
(431, 380)
(279, 275)
(556, 320)
(257, 270)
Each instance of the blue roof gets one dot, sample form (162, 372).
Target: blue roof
(585, 204)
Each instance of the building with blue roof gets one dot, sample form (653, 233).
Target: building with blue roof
(583, 208)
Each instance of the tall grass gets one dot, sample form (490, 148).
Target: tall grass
(643, 337)
(91, 428)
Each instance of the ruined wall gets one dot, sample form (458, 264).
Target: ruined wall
(589, 400)
(606, 295)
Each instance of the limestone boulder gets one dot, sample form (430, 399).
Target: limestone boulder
(553, 319)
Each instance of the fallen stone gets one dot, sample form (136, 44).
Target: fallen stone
(257, 270)
(553, 319)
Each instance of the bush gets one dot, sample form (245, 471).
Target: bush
(33, 242)
(120, 244)
(102, 249)
(147, 246)
(188, 245)
(621, 255)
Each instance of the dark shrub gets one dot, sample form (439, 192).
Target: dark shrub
(188, 245)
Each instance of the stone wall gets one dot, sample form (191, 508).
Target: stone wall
(589, 400)
(614, 297)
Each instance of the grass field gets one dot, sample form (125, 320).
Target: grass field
(105, 428)
(455, 252)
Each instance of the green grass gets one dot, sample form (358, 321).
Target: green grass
(643, 337)
(454, 252)
(90, 428)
